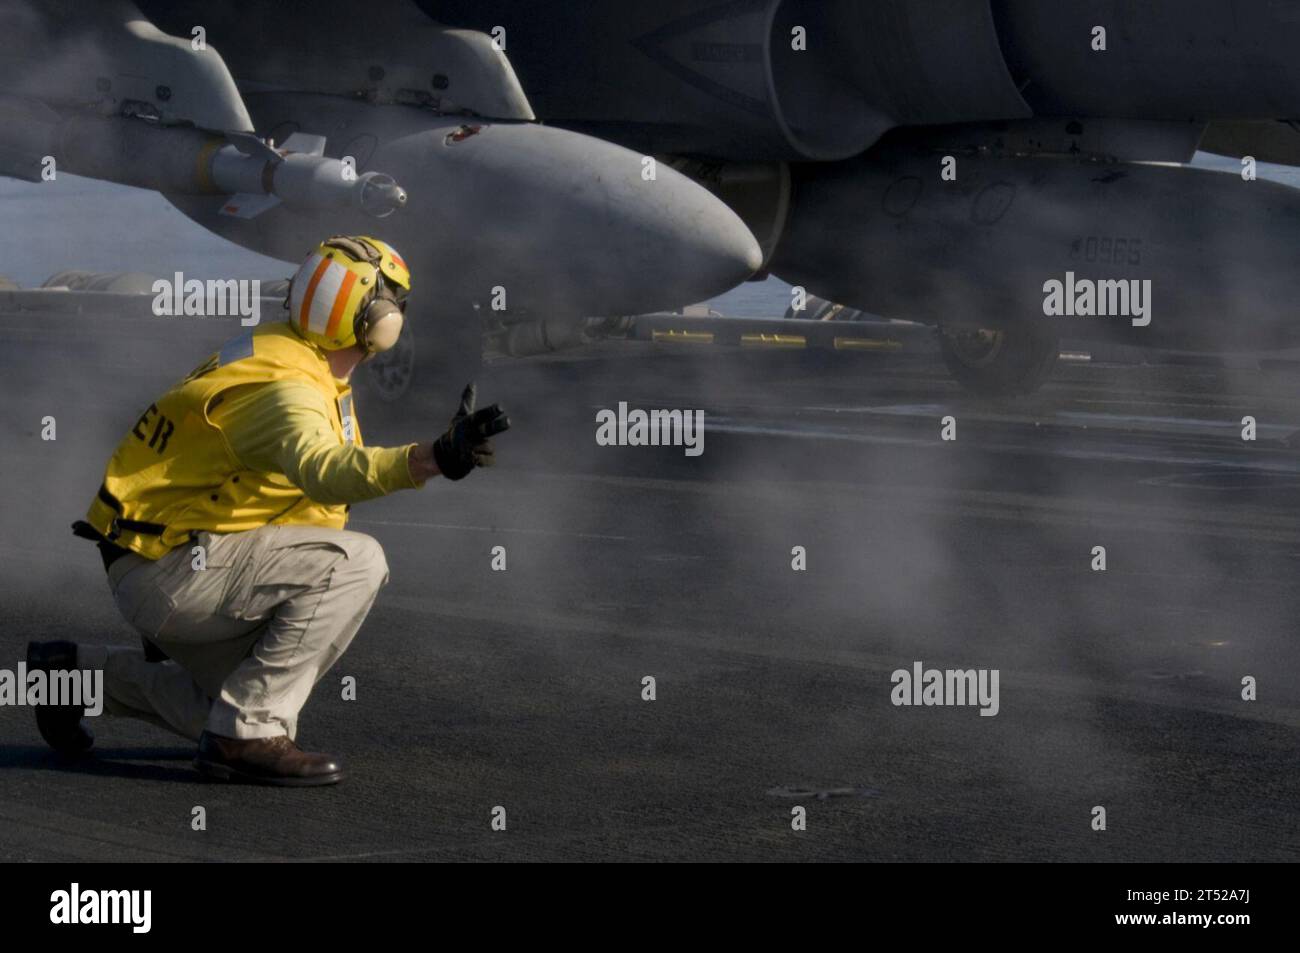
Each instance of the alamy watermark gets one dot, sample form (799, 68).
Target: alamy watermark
(1086, 298)
(212, 298)
(75, 906)
(653, 428)
(83, 688)
(949, 687)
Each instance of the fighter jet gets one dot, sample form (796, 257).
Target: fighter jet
(1008, 171)
(273, 124)
(947, 161)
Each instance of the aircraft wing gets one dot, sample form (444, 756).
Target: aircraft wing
(273, 125)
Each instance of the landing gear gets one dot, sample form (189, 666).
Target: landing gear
(388, 376)
(429, 366)
(1008, 362)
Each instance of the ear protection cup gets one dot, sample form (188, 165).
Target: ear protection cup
(379, 325)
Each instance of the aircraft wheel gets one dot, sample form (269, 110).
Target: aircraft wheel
(388, 377)
(1000, 363)
(423, 374)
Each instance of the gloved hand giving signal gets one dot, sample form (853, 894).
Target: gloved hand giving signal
(466, 443)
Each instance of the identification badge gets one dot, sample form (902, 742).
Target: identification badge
(349, 421)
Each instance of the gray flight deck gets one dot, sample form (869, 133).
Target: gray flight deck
(523, 688)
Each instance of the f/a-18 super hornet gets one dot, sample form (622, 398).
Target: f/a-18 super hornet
(1005, 170)
(272, 124)
(1009, 171)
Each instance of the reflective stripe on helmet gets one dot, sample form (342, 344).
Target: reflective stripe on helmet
(317, 265)
(331, 295)
(341, 300)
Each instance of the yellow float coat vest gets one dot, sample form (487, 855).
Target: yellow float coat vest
(174, 473)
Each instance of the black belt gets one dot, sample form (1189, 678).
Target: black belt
(109, 552)
(131, 526)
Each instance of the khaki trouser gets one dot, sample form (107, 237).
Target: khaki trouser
(248, 636)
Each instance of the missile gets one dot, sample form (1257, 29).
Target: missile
(299, 174)
(256, 174)
(515, 219)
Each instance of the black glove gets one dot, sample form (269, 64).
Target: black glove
(465, 445)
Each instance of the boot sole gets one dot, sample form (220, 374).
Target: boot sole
(216, 771)
(68, 742)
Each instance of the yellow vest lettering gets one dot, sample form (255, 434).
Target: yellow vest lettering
(174, 474)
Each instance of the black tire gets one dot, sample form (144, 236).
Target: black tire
(388, 378)
(426, 364)
(1011, 362)
(422, 376)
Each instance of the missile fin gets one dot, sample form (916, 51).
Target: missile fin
(304, 142)
(250, 145)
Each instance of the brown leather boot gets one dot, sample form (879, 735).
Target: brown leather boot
(275, 761)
